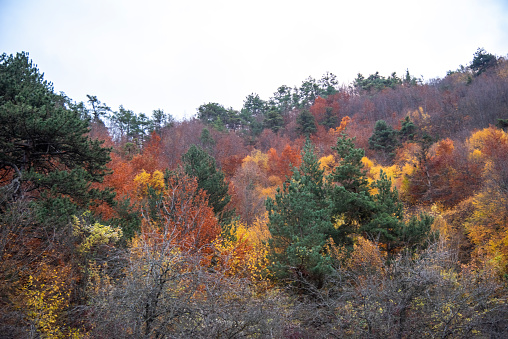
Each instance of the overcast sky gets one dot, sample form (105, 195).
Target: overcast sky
(177, 55)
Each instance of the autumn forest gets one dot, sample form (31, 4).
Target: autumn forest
(375, 209)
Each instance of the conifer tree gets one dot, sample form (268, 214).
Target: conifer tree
(300, 224)
(306, 123)
(352, 203)
(384, 139)
(199, 164)
(44, 147)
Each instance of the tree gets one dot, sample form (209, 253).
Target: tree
(254, 105)
(273, 120)
(212, 112)
(482, 61)
(99, 109)
(375, 82)
(306, 123)
(384, 139)
(308, 92)
(45, 152)
(283, 99)
(352, 203)
(300, 223)
(160, 120)
(328, 84)
(377, 216)
(130, 127)
(407, 130)
(199, 164)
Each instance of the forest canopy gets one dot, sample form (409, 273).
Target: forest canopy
(374, 209)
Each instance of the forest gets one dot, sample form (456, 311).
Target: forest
(376, 209)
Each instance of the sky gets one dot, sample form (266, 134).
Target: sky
(178, 55)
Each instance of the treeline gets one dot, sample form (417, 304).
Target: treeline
(378, 209)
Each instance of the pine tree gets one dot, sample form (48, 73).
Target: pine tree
(44, 146)
(306, 123)
(199, 164)
(384, 139)
(386, 225)
(352, 203)
(300, 224)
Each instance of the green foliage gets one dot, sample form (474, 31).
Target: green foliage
(44, 142)
(300, 224)
(386, 223)
(306, 123)
(160, 120)
(482, 61)
(206, 138)
(129, 219)
(129, 126)
(352, 203)
(283, 100)
(502, 123)
(384, 139)
(375, 82)
(377, 216)
(330, 119)
(99, 109)
(254, 105)
(212, 111)
(328, 84)
(199, 164)
(407, 130)
(273, 120)
(219, 117)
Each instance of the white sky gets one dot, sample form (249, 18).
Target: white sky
(177, 55)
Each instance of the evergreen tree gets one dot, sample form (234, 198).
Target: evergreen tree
(160, 120)
(306, 123)
(378, 217)
(386, 224)
(384, 139)
(352, 203)
(45, 152)
(330, 120)
(206, 139)
(273, 120)
(407, 130)
(199, 164)
(482, 61)
(99, 109)
(300, 224)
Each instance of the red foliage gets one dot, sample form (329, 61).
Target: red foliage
(282, 165)
(183, 217)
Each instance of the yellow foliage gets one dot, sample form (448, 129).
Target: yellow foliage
(45, 299)
(257, 157)
(266, 192)
(157, 181)
(476, 155)
(93, 234)
(374, 172)
(419, 117)
(366, 253)
(247, 255)
(144, 180)
(484, 139)
(327, 163)
(488, 226)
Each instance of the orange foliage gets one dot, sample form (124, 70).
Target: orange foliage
(342, 127)
(331, 102)
(182, 217)
(282, 165)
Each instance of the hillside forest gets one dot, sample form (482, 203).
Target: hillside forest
(376, 209)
